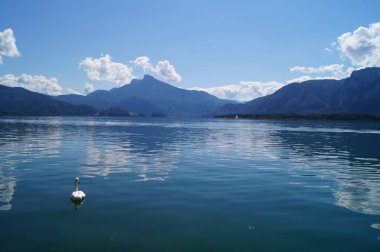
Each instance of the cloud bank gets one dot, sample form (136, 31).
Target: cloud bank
(308, 77)
(362, 46)
(35, 83)
(104, 68)
(72, 91)
(8, 46)
(163, 69)
(244, 91)
(334, 71)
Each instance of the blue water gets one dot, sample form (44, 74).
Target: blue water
(189, 185)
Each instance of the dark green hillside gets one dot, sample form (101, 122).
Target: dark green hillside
(19, 101)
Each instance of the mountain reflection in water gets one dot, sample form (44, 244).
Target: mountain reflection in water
(239, 185)
(350, 160)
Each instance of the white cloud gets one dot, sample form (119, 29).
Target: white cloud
(308, 77)
(35, 83)
(244, 91)
(104, 68)
(72, 91)
(362, 46)
(89, 88)
(8, 46)
(334, 69)
(163, 69)
(144, 63)
(167, 71)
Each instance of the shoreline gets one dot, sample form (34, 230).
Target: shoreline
(319, 117)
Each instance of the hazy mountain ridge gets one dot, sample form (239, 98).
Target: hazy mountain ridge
(19, 101)
(360, 93)
(150, 95)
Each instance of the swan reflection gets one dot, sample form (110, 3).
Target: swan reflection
(77, 204)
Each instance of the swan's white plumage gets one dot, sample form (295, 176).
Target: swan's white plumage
(77, 195)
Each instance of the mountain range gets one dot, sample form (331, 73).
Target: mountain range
(151, 96)
(19, 101)
(359, 93)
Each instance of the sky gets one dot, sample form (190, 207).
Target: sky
(236, 50)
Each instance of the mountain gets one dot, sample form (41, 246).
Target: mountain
(360, 93)
(19, 101)
(150, 96)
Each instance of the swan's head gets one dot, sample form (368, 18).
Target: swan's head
(76, 183)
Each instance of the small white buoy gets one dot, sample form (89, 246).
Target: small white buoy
(77, 195)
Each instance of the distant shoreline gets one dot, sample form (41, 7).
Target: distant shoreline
(104, 113)
(326, 117)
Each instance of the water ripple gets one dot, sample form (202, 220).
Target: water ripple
(234, 172)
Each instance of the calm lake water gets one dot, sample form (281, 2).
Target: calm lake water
(189, 185)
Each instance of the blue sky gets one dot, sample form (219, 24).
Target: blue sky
(206, 43)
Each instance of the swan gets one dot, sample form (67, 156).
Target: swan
(77, 195)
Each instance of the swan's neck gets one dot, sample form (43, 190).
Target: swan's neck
(76, 186)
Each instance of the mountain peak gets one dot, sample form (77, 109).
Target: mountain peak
(369, 73)
(148, 77)
(149, 95)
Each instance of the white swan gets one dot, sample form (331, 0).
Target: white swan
(77, 195)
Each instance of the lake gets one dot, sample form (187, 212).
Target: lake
(159, 184)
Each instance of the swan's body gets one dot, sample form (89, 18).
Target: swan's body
(77, 195)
